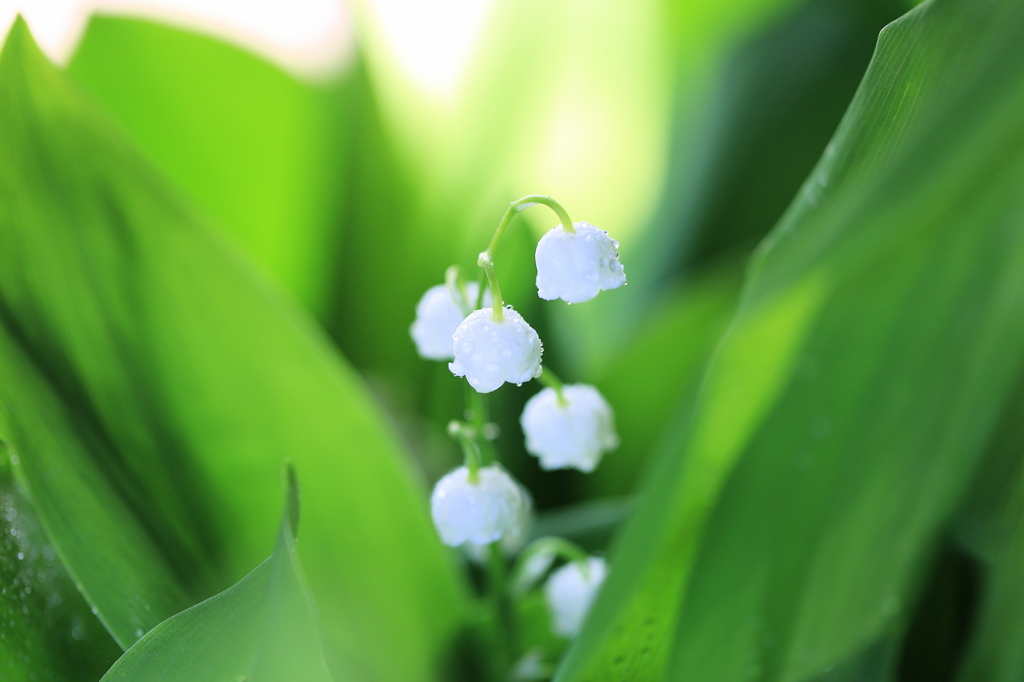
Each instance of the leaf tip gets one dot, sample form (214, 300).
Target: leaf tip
(19, 38)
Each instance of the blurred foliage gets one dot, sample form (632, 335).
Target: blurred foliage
(820, 406)
(153, 386)
(255, 149)
(846, 410)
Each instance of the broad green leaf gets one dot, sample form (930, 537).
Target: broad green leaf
(996, 651)
(849, 405)
(663, 364)
(756, 100)
(778, 100)
(990, 527)
(260, 629)
(257, 150)
(153, 386)
(47, 632)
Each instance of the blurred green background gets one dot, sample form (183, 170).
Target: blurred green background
(209, 264)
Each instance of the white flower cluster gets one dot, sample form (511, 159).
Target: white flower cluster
(565, 426)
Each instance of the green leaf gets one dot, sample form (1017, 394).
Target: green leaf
(153, 386)
(853, 398)
(777, 102)
(47, 631)
(996, 652)
(685, 327)
(257, 150)
(259, 630)
(989, 526)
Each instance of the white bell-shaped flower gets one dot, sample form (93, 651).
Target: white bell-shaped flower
(489, 353)
(437, 316)
(569, 593)
(575, 266)
(571, 433)
(480, 511)
(513, 540)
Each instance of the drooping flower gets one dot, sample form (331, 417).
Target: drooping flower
(572, 432)
(438, 314)
(513, 540)
(479, 511)
(489, 352)
(575, 266)
(569, 593)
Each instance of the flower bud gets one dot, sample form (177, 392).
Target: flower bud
(571, 433)
(575, 266)
(480, 511)
(437, 316)
(490, 352)
(569, 593)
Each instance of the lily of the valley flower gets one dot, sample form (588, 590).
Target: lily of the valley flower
(513, 540)
(569, 593)
(480, 509)
(438, 314)
(569, 431)
(575, 266)
(489, 352)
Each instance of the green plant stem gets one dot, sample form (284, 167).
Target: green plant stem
(480, 414)
(470, 449)
(487, 264)
(549, 379)
(457, 290)
(486, 260)
(504, 618)
(520, 205)
(555, 547)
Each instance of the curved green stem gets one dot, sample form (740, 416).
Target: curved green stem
(548, 378)
(486, 260)
(520, 205)
(524, 575)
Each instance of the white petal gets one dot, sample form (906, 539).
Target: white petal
(570, 435)
(489, 353)
(480, 511)
(569, 593)
(513, 540)
(575, 266)
(437, 317)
